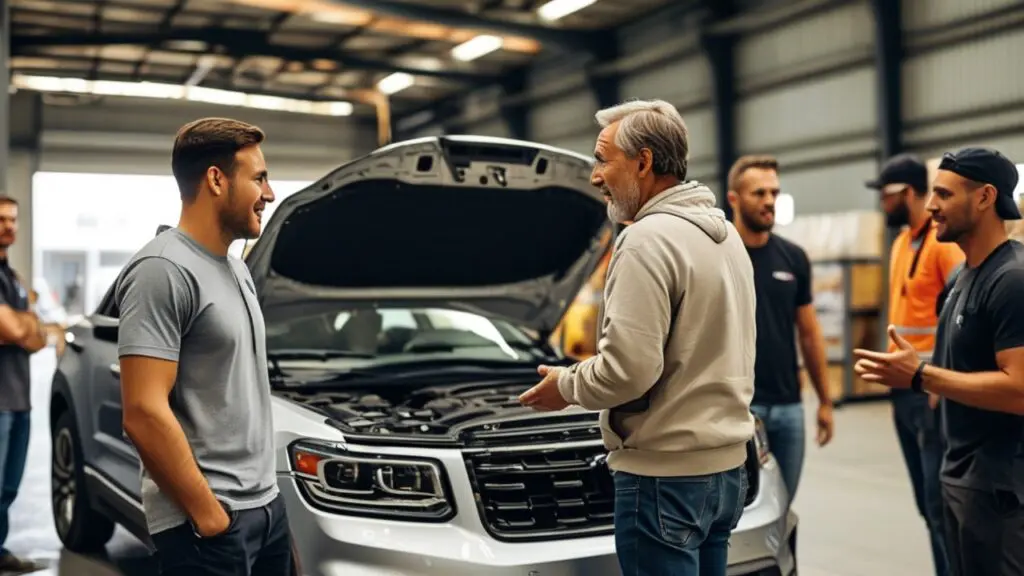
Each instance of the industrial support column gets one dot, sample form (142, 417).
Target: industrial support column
(605, 85)
(515, 115)
(720, 50)
(889, 69)
(888, 63)
(5, 79)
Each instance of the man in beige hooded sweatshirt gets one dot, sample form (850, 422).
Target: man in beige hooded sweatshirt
(674, 372)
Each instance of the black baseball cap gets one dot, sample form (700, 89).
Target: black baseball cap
(902, 169)
(988, 167)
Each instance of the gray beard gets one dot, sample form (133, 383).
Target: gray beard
(625, 209)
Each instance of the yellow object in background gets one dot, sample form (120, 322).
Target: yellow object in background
(576, 335)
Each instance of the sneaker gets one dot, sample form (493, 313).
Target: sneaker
(11, 564)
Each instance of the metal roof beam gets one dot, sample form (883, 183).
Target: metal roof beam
(568, 39)
(235, 43)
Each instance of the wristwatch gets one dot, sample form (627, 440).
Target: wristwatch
(231, 520)
(917, 380)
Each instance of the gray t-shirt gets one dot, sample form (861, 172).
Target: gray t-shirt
(180, 302)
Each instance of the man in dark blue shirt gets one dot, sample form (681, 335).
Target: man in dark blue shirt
(20, 336)
(978, 366)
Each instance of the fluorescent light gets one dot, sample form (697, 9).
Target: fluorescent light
(337, 108)
(215, 96)
(557, 9)
(178, 92)
(477, 47)
(330, 17)
(785, 209)
(395, 83)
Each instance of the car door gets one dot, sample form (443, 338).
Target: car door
(116, 457)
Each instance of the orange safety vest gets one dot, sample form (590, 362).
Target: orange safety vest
(919, 267)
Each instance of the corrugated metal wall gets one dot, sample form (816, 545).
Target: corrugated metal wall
(807, 93)
(962, 80)
(808, 96)
(566, 120)
(922, 14)
(134, 136)
(661, 59)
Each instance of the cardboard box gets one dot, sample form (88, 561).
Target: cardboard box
(866, 286)
(856, 234)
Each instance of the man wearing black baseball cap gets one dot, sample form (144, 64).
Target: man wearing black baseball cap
(920, 267)
(978, 366)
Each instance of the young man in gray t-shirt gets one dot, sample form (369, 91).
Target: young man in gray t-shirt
(194, 380)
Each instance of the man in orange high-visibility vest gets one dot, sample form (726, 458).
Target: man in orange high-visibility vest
(919, 268)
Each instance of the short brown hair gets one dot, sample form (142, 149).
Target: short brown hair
(5, 199)
(763, 161)
(209, 142)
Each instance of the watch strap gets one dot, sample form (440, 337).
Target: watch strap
(917, 381)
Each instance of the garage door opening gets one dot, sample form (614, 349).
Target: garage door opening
(85, 227)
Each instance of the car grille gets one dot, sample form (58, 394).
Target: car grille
(543, 493)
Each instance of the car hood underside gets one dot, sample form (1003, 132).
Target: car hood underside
(501, 228)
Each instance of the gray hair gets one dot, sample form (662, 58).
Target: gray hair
(655, 125)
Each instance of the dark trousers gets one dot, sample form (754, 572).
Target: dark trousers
(678, 525)
(15, 428)
(784, 425)
(258, 543)
(920, 437)
(984, 531)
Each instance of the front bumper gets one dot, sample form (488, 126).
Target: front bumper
(333, 545)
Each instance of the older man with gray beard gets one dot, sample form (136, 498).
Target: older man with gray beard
(674, 371)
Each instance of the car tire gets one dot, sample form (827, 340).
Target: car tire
(81, 528)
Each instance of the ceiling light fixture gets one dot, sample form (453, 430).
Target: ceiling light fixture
(394, 83)
(178, 92)
(477, 47)
(558, 9)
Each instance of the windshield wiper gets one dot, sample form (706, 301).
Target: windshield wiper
(535, 349)
(435, 368)
(314, 354)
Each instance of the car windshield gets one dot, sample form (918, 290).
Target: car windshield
(374, 336)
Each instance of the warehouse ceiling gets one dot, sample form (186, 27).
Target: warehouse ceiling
(306, 51)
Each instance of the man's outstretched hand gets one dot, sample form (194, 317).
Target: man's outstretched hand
(893, 369)
(545, 395)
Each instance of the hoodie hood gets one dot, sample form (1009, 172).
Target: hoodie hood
(693, 202)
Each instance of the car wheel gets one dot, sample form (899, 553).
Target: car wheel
(79, 527)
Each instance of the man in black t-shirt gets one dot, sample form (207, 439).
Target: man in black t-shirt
(782, 280)
(977, 367)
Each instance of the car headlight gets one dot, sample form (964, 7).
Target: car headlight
(761, 441)
(371, 485)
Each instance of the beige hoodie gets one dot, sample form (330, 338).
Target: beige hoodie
(674, 371)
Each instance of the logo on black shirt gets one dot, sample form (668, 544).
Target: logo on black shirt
(783, 276)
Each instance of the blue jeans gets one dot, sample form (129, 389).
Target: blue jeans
(678, 525)
(784, 424)
(14, 433)
(917, 427)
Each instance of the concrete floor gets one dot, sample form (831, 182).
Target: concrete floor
(857, 516)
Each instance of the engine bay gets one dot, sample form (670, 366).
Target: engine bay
(439, 411)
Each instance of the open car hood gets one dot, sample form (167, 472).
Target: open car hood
(497, 227)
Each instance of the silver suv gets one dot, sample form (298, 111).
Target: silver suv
(409, 296)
